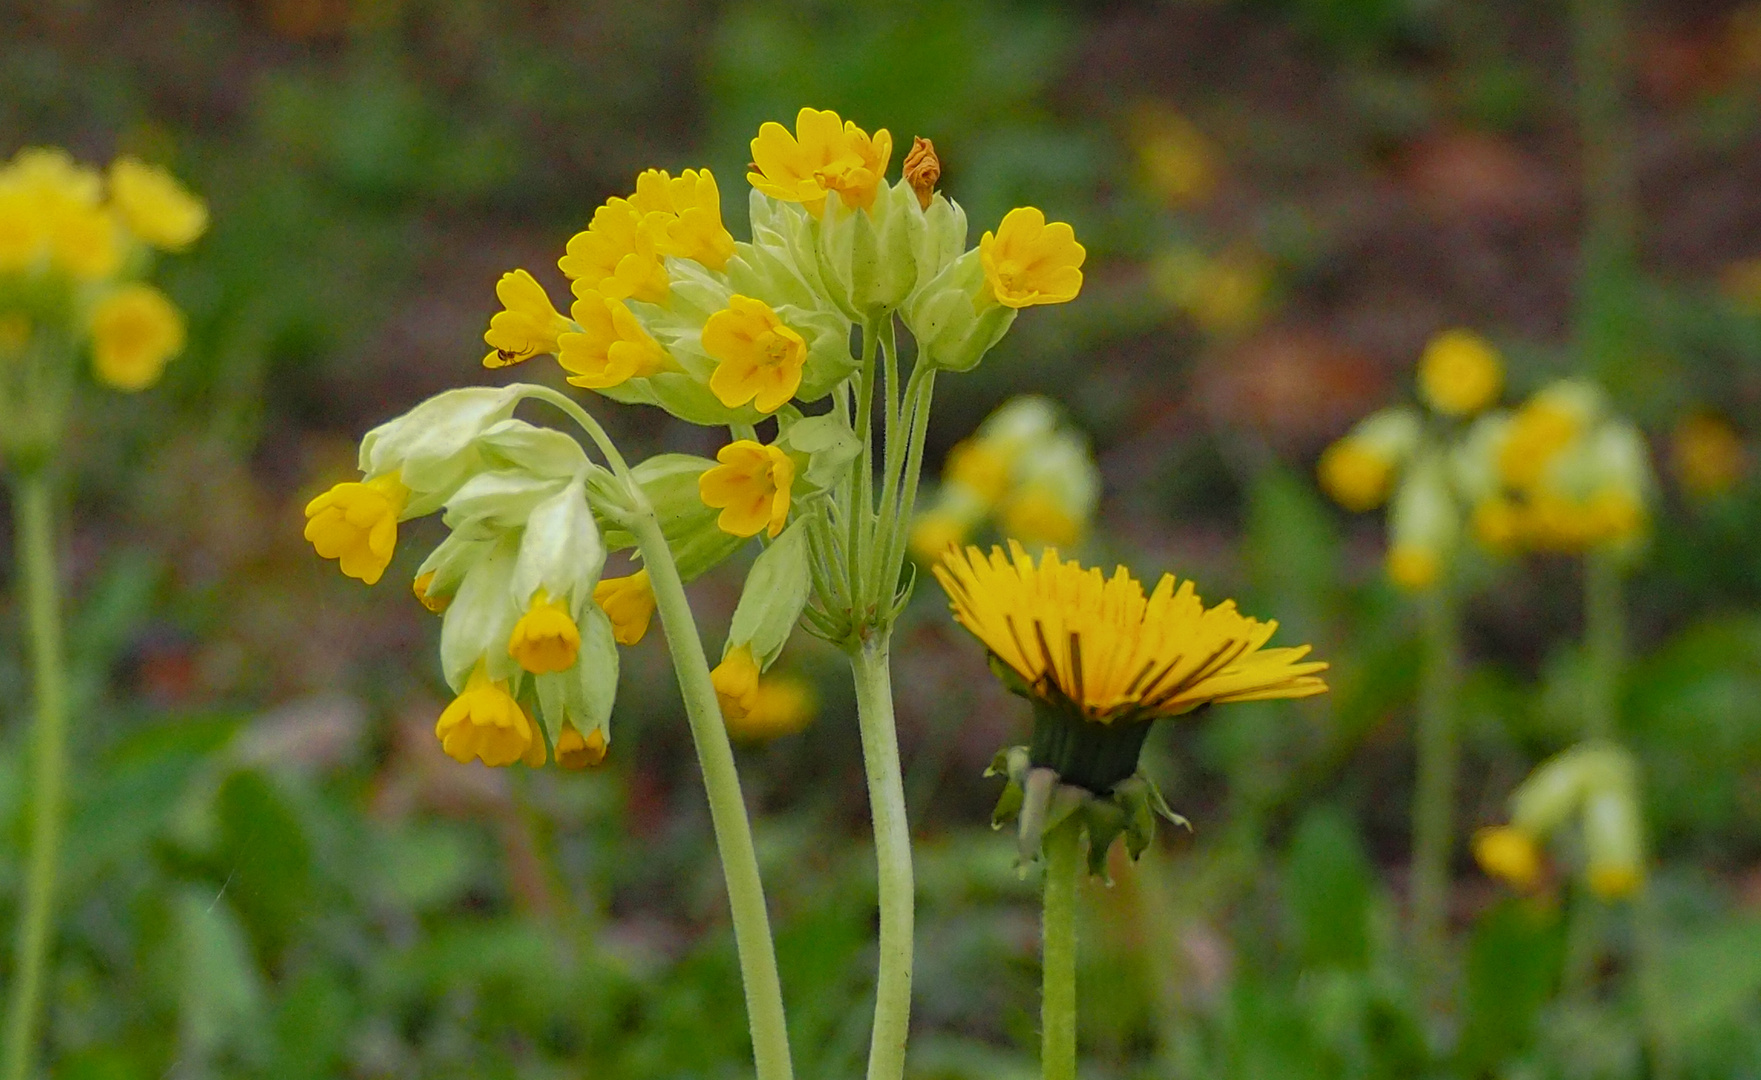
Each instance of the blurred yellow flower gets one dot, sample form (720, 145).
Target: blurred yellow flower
(356, 524)
(527, 325)
(610, 348)
(758, 358)
(487, 724)
(135, 332)
(780, 705)
(1497, 524)
(1177, 161)
(1412, 567)
(1614, 881)
(573, 751)
(420, 586)
(546, 639)
(1508, 854)
(1097, 647)
(83, 240)
(629, 603)
(1224, 294)
(1354, 475)
(823, 154)
(751, 487)
(934, 532)
(736, 684)
(684, 215)
(154, 206)
(1460, 373)
(1539, 431)
(980, 467)
(616, 256)
(1708, 456)
(1035, 516)
(1028, 261)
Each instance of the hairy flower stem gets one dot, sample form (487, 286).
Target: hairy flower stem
(1058, 952)
(1434, 794)
(35, 521)
(727, 807)
(872, 668)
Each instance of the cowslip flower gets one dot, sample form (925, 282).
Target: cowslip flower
(1509, 854)
(1028, 261)
(1355, 475)
(611, 347)
(1460, 373)
(546, 639)
(527, 325)
(736, 683)
(135, 332)
(616, 256)
(629, 603)
(751, 487)
(758, 357)
(780, 705)
(356, 524)
(154, 206)
(684, 215)
(53, 206)
(822, 155)
(485, 723)
(577, 751)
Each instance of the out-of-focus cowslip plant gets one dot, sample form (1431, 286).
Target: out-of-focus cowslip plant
(75, 248)
(1409, 459)
(1100, 663)
(1590, 791)
(670, 310)
(1025, 472)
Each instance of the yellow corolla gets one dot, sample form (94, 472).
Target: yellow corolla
(546, 639)
(356, 524)
(50, 205)
(758, 357)
(684, 215)
(736, 684)
(616, 256)
(979, 467)
(1460, 373)
(751, 487)
(135, 332)
(577, 751)
(610, 348)
(629, 603)
(1029, 261)
(1508, 854)
(1355, 475)
(1539, 431)
(1414, 567)
(528, 324)
(780, 705)
(421, 586)
(1097, 647)
(154, 206)
(487, 724)
(1036, 516)
(822, 155)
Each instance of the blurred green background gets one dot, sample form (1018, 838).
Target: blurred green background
(273, 871)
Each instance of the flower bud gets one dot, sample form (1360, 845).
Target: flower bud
(865, 257)
(1358, 470)
(922, 169)
(1460, 373)
(770, 605)
(823, 447)
(954, 317)
(561, 553)
(475, 630)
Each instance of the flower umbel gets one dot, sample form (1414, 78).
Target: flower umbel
(759, 358)
(486, 723)
(751, 488)
(1028, 261)
(356, 524)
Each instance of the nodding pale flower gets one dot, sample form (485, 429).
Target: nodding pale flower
(154, 206)
(356, 524)
(629, 603)
(616, 256)
(1707, 456)
(824, 154)
(135, 332)
(1028, 261)
(736, 684)
(1355, 475)
(751, 487)
(1424, 525)
(781, 705)
(758, 358)
(611, 347)
(420, 586)
(527, 326)
(486, 723)
(575, 751)
(1460, 373)
(546, 639)
(684, 215)
(1509, 854)
(922, 169)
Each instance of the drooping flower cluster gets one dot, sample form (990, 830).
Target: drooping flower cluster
(1023, 469)
(74, 246)
(1590, 792)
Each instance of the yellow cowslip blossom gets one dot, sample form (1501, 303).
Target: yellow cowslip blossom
(420, 586)
(486, 723)
(52, 207)
(1412, 567)
(527, 325)
(751, 488)
(736, 684)
(610, 348)
(824, 154)
(1355, 475)
(24, 235)
(934, 532)
(980, 467)
(922, 170)
(577, 751)
(356, 524)
(1707, 455)
(1099, 647)
(1555, 522)
(154, 206)
(758, 358)
(135, 332)
(629, 603)
(1497, 524)
(781, 705)
(1538, 432)
(1035, 516)
(1508, 854)
(616, 256)
(1460, 373)
(684, 216)
(546, 639)
(1028, 261)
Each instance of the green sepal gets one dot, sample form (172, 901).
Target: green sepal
(770, 605)
(584, 694)
(1129, 811)
(825, 443)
